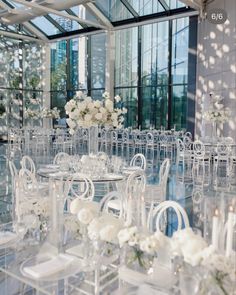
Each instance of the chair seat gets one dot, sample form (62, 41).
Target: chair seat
(114, 204)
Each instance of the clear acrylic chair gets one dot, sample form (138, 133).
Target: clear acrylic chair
(201, 170)
(138, 160)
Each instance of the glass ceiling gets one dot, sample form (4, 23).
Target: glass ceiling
(70, 20)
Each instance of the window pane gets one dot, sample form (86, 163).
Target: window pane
(155, 54)
(129, 97)
(59, 101)
(180, 50)
(58, 66)
(179, 106)
(146, 7)
(65, 23)
(114, 9)
(154, 107)
(45, 26)
(97, 94)
(82, 12)
(98, 60)
(126, 57)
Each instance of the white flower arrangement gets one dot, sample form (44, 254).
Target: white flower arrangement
(72, 225)
(219, 269)
(34, 101)
(217, 112)
(85, 112)
(35, 206)
(50, 113)
(220, 116)
(148, 243)
(32, 114)
(105, 228)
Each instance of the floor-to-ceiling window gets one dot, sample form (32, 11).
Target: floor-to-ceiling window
(151, 70)
(126, 72)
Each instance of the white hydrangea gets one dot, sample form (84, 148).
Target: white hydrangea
(84, 112)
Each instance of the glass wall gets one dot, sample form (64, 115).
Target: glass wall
(152, 63)
(151, 71)
(77, 64)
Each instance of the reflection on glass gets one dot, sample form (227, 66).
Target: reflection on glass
(154, 107)
(179, 107)
(98, 61)
(67, 24)
(58, 66)
(126, 57)
(129, 98)
(180, 50)
(155, 54)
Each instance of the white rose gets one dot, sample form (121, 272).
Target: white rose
(87, 117)
(114, 116)
(71, 123)
(97, 103)
(106, 95)
(117, 98)
(127, 235)
(94, 229)
(102, 110)
(85, 216)
(98, 116)
(109, 104)
(88, 99)
(149, 244)
(75, 206)
(108, 233)
(115, 123)
(79, 94)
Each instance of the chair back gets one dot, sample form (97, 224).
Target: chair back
(156, 213)
(138, 160)
(28, 164)
(104, 203)
(60, 157)
(80, 186)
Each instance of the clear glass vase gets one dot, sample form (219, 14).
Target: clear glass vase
(137, 260)
(214, 131)
(93, 140)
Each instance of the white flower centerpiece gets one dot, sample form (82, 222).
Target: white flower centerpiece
(215, 272)
(140, 249)
(32, 114)
(87, 113)
(217, 113)
(50, 113)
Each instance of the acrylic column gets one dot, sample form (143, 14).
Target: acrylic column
(93, 140)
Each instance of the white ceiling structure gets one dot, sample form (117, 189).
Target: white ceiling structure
(26, 12)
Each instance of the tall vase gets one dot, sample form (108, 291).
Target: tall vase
(214, 131)
(93, 140)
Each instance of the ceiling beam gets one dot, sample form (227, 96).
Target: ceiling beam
(46, 10)
(19, 36)
(98, 14)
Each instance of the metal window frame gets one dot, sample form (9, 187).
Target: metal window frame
(130, 8)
